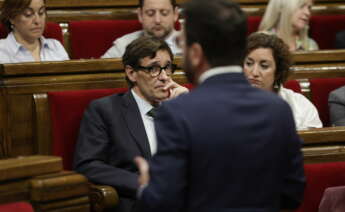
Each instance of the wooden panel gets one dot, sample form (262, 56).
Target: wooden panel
(63, 11)
(323, 144)
(58, 186)
(29, 166)
(26, 179)
(323, 135)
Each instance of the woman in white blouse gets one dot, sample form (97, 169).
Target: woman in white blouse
(26, 20)
(266, 66)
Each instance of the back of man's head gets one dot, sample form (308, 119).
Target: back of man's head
(220, 27)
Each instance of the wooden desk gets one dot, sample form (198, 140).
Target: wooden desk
(324, 144)
(41, 181)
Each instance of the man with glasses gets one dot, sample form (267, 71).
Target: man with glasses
(158, 18)
(116, 128)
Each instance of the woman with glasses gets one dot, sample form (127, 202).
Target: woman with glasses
(25, 20)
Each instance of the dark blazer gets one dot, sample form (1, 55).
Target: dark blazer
(225, 147)
(112, 133)
(340, 40)
(336, 102)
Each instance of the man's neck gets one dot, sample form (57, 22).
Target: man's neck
(141, 96)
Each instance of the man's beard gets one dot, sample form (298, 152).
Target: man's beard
(163, 36)
(188, 70)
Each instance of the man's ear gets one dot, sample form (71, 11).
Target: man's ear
(131, 73)
(140, 14)
(196, 54)
(176, 13)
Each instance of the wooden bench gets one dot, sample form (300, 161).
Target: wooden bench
(41, 181)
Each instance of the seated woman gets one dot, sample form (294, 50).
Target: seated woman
(266, 66)
(25, 20)
(289, 20)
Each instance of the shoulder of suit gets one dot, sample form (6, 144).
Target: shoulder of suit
(107, 100)
(338, 92)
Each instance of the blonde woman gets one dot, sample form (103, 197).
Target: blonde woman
(289, 20)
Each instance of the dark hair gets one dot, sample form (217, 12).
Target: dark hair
(280, 51)
(173, 3)
(10, 9)
(220, 27)
(140, 48)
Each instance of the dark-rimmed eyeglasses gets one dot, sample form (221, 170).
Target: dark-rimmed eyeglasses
(156, 70)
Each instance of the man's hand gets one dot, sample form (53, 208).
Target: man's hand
(143, 166)
(175, 89)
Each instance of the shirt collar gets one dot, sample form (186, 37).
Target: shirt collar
(143, 105)
(16, 47)
(170, 39)
(219, 70)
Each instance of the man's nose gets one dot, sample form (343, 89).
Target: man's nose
(163, 75)
(158, 17)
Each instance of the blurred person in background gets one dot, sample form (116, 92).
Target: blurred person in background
(289, 20)
(25, 20)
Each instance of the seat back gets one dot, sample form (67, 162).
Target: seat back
(323, 29)
(320, 89)
(293, 85)
(16, 207)
(319, 177)
(253, 23)
(91, 39)
(52, 30)
(67, 109)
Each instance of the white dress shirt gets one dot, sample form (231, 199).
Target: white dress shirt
(145, 107)
(120, 44)
(304, 112)
(13, 52)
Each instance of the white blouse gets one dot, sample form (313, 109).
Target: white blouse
(13, 52)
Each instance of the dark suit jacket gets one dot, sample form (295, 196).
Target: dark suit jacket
(225, 147)
(340, 40)
(336, 102)
(112, 133)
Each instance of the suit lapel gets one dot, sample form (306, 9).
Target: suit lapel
(135, 124)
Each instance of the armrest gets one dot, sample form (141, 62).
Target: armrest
(103, 197)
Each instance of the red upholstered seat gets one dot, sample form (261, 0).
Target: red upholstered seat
(91, 39)
(293, 85)
(253, 24)
(67, 109)
(16, 207)
(323, 29)
(319, 177)
(320, 89)
(52, 30)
